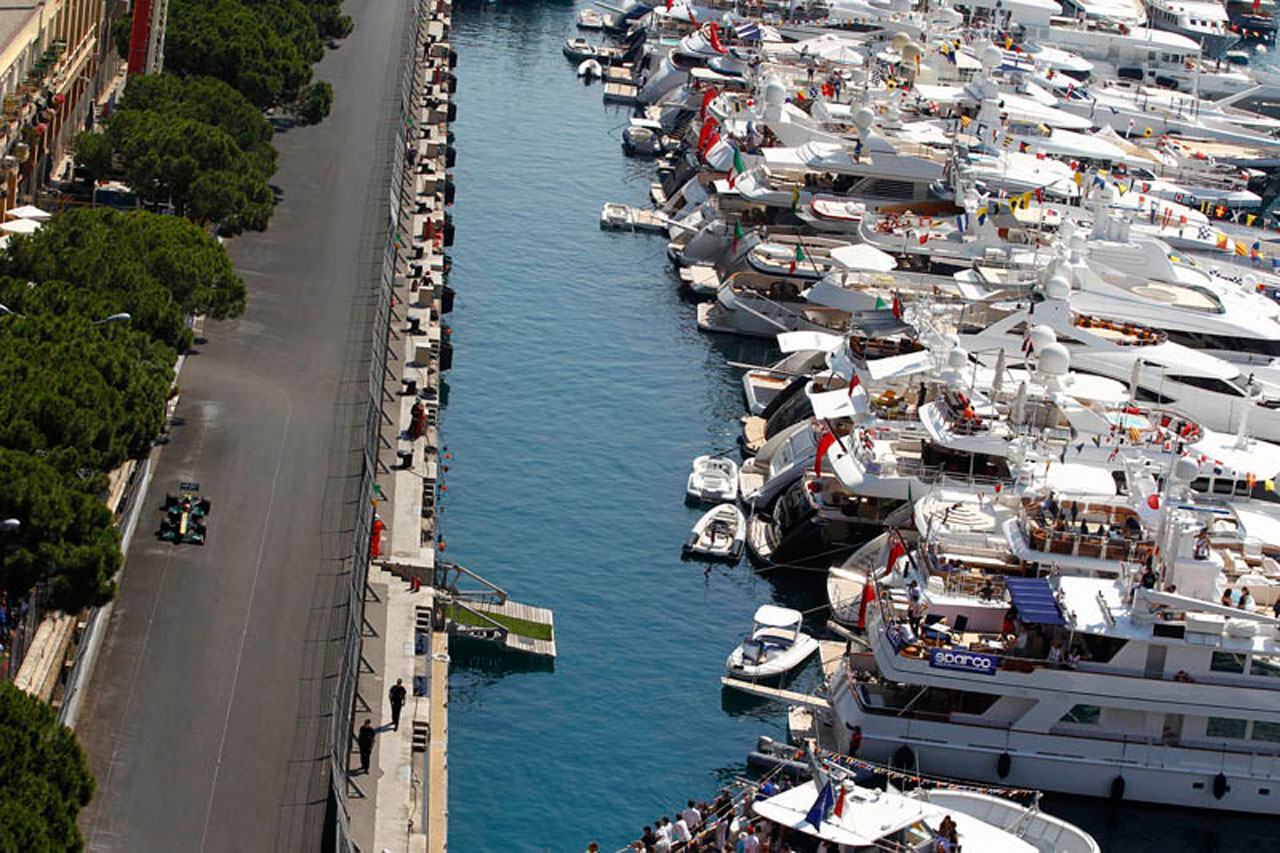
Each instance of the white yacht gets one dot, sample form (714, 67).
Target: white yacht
(874, 819)
(1213, 392)
(1113, 687)
(1204, 21)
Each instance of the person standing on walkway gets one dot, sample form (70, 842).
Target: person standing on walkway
(365, 741)
(397, 702)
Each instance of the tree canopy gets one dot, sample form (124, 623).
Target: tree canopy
(46, 779)
(99, 262)
(66, 537)
(197, 144)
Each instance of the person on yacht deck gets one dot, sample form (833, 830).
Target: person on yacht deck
(1226, 600)
(1200, 550)
(1246, 600)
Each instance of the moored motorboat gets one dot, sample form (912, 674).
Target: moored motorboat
(579, 49)
(590, 19)
(873, 819)
(713, 479)
(720, 534)
(775, 646)
(615, 216)
(590, 68)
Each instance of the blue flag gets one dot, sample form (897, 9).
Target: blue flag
(822, 807)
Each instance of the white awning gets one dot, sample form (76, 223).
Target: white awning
(899, 365)
(863, 256)
(29, 211)
(797, 341)
(21, 226)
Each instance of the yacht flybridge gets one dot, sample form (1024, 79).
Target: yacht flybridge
(1153, 683)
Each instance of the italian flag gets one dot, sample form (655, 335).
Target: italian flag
(797, 259)
(737, 235)
(738, 168)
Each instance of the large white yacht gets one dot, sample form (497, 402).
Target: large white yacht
(1164, 691)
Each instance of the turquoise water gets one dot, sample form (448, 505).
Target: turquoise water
(580, 393)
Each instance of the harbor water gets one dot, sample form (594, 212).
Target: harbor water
(580, 393)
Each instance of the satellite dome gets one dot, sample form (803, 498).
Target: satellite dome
(1185, 469)
(1067, 229)
(911, 52)
(1042, 336)
(900, 41)
(864, 117)
(958, 359)
(992, 56)
(1054, 360)
(1058, 288)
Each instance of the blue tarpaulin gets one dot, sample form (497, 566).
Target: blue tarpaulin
(1035, 602)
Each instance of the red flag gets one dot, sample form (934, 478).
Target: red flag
(1040, 195)
(707, 98)
(708, 127)
(868, 596)
(897, 306)
(824, 444)
(854, 382)
(839, 809)
(896, 550)
(715, 39)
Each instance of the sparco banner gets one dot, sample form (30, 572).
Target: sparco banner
(963, 660)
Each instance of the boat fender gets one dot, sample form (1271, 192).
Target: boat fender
(1220, 786)
(904, 757)
(1004, 764)
(1117, 788)
(451, 115)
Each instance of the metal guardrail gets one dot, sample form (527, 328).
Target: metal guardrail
(398, 182)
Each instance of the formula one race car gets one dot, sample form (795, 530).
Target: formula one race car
(184, 516)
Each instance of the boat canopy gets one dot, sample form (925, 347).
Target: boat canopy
(773, 616)
(1035, 601)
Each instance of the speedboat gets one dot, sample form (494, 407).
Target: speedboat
(580, 49)
(775, 646)
(720, 534)
(642, 138)
(855, 817)
(615, 216)
(590, 19)
(713, 479)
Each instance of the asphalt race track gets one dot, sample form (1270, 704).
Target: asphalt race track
(207, 716)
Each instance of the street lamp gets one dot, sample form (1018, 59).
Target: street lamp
(122, 317)
(10, 524)
(5, 309)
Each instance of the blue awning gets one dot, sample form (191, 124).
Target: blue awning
(1035, 602)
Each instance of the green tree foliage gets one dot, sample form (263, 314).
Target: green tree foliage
(83, 397)
(197, 144)
(316, 101)
(66, 540)
(239, 44)
(46, 780)
(98, 262)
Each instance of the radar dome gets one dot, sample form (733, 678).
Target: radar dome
(911, 52)
(957, 359)
(900, 41)
(864, 117)
(992, 57)
(1067, 229)
(1041, 337)
(1185, 469)
(1054, 360)
(1058, 288)
(774, 92)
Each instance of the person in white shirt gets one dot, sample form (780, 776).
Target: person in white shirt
(692, 817)
(680, 831)
(662, 829)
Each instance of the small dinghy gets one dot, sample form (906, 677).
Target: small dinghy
(642, 138)
(590, 69)
(615, 217)
(720, 534)
(775, 646)
(714, 479)
(579, 49)
(590, 19)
